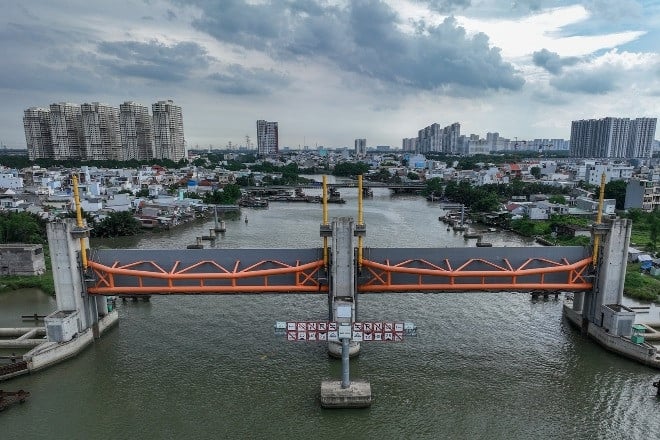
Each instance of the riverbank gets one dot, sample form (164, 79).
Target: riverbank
(15, 282)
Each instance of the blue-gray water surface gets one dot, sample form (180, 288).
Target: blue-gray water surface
(483, 366)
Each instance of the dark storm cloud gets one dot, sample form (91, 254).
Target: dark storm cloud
(234, 21)
(363, 38)
(237, 80)
(551, 61)
(597, 82)
(37, 58)
(153, 60)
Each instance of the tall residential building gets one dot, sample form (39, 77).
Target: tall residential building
(436, 139)
(66, 131)
(429, 139)
(640, 141)
(491, 140)
(450, 135)
(360, 147)
(36, 122)
(612, 137)
(267, 138)
(169, 142)
(409, 144)
(101, 139)
(137, 136)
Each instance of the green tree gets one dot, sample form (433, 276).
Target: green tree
(557, 198)
(433, 187)
(350, 169)
(413, 176)
(229, 195)
(117, 224)
(22, 227)
(654, 229)
(536, 172)
(144, 192)
(616, 189)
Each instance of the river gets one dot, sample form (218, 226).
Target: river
(483, 366)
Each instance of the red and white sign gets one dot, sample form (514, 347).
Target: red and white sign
(321, 331)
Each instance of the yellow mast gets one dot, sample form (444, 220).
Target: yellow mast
(325, 219)
(599, 218)
(360, 219)
(79, 221)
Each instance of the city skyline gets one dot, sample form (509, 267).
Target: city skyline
(332, 72)
(96, 131)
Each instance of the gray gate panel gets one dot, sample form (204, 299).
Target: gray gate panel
(227, 258)
(456, 257)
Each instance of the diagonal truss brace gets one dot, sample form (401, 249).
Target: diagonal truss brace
(206, 277)
(475, 274)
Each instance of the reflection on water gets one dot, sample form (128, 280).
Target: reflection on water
(484, 365)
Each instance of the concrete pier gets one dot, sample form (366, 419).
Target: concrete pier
(599, 313)
(356, 395)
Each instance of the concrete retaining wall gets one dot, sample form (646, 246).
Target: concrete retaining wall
(22, 259)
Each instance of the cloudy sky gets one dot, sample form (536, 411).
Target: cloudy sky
(330, 71)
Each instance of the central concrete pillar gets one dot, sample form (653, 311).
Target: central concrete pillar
(610, 270)
(343, 280)
(64, 242)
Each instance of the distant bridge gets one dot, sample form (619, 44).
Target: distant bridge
(410, 186)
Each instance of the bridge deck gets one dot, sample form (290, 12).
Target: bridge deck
(243, 271)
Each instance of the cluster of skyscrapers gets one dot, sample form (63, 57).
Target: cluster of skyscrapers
(102, 132)
(613, 138)
(435, 139)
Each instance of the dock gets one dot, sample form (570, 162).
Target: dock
(8, 398)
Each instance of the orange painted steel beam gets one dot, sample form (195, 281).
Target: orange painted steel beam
(304, 275)
(498, 277)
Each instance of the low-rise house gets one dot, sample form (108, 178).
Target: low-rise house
(590, 205)
(573, 231)
(91, 204)
(642, 194)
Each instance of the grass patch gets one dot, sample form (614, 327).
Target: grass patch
(43, 282)
(641, 285)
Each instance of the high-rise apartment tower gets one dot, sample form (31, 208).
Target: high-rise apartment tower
(360, 147)
(136, 130)
(36, 122)
(169, 142)
(267, 138)
(66, 131)
(101, 139)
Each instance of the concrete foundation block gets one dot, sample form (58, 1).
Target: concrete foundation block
(357, 395)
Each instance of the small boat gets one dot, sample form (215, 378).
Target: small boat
(253, 202)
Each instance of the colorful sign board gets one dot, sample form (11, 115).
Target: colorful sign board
(321, 331)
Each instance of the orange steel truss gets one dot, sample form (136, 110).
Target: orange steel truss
(272, 276)
(206, 277)
(530, 275)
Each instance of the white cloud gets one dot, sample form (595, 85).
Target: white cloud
(519, 38)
